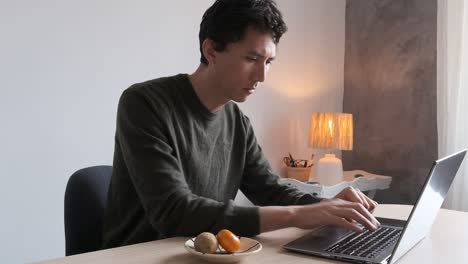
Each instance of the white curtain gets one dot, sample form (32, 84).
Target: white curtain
(452, 89)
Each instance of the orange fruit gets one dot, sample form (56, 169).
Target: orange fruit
(228, 240)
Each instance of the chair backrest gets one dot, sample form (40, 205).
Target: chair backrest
(85, 200)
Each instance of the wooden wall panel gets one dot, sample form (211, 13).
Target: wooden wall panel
(390, 87)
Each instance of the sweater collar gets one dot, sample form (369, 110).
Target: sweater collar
(195, 102)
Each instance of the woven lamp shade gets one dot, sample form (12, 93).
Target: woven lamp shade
(331, 131)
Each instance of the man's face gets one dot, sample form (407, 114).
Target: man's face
(243, 65)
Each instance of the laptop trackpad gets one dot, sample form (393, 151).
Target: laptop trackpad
(321, 238)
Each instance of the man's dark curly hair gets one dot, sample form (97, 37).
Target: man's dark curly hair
(226, 21)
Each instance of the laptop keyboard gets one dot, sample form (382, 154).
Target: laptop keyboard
(367, 244)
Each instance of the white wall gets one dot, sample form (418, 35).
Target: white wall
(64, 65)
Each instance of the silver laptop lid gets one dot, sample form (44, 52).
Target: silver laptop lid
(429, 202)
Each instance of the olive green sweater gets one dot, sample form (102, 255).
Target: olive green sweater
(178, 166)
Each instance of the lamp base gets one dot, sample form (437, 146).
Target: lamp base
(329, 170)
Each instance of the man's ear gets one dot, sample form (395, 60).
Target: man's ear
(209, 51)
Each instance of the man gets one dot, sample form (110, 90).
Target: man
(183, 147)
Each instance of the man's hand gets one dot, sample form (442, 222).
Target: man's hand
(346, 209)
(355, 195)
(336, 212)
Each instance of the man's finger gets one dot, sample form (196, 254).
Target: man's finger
(353, 196)
(348, 225)
(365, 213)
(357, 215)
(364, 199)
(372, 204)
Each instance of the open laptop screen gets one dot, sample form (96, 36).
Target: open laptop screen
(429, 202)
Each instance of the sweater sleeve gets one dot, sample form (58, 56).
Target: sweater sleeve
(169, 204)
(261, 184)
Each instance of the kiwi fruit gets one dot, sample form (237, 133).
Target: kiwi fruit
(206, 242)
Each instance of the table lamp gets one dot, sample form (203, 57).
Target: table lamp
(330, 131)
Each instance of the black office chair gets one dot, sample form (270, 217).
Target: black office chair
(85, 200)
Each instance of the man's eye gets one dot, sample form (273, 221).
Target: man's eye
(251, 59)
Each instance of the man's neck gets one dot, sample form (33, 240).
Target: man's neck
(207, 89)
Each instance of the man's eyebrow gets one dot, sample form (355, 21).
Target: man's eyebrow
(258, 54)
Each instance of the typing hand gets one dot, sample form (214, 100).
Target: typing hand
(338, 212)
(355, 195)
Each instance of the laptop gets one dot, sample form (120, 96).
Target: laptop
(394, 237)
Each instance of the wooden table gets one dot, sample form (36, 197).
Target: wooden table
(447, 243)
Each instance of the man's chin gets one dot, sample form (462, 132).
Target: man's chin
(240, 99)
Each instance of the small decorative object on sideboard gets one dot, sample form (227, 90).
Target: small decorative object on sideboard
(298, 169)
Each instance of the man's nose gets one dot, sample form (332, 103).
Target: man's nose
(261, 73)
